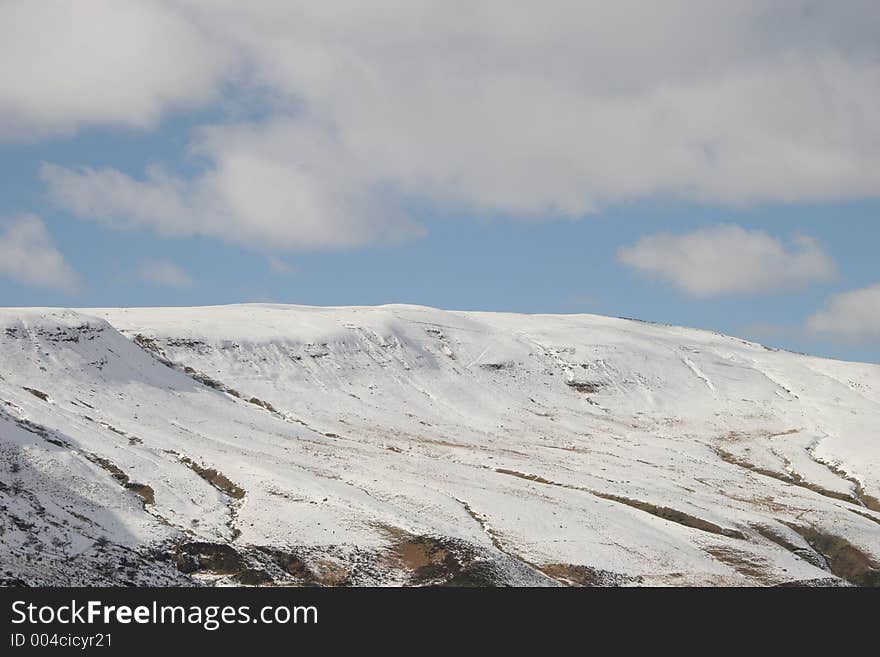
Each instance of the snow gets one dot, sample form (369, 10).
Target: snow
(659, 454)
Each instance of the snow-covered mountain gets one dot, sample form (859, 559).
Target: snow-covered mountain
(265, 444)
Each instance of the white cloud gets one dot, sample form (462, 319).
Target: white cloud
(853, 315)
(68, 63)
(164, 273)
(729, 260)
(520, 109)
(28, 255)
(255, 194)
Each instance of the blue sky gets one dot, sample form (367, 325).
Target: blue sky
(212, 186)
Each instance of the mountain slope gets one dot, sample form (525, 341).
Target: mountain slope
(408, 445)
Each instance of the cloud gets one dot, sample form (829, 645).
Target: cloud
(164, 273)
(252, 196)
(729, 260)
(28, 255)
(119, 62)
(853, 315)
(523, 110)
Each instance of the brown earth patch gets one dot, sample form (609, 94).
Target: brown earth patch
(674, 515)
(214, 477)
(528, 477)
(37, 393)
(666, 513)
(844, 559)
(144, 491)
(585, 387)
(799, 551)
(215, 558)
(39, 430)
(868, 501)
(437, 561)
(115, 471)
(576, 575)
(262, 404)
(288, 562)
(795, 480)
(742, 562)
(866, 516)
(330, 573)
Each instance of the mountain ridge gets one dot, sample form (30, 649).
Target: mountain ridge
(402, 444)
